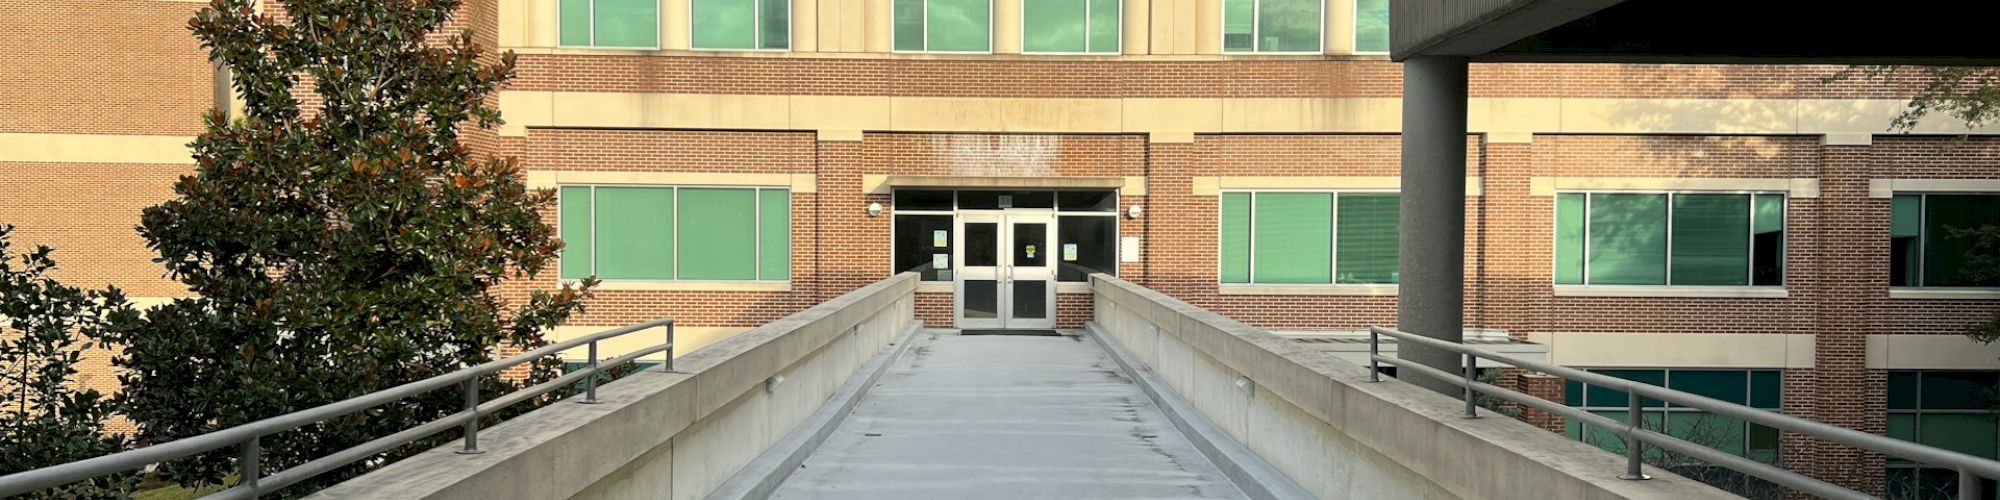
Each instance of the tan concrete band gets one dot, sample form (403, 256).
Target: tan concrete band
(1175, 119)
(885, 184)
(1796, 188)
(798, 183)
(1213, 186)
(1678, 350)
(1886, 188)
(1350, 290)
(96, 148)
(1930, 352)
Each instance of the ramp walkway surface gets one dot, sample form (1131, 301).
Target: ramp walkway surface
(1004, 416)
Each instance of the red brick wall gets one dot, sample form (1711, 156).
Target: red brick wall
(57, 76)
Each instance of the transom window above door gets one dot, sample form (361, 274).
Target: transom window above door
(666, 233)
(1670, 239)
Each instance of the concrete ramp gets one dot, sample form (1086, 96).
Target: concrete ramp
(1005, 417)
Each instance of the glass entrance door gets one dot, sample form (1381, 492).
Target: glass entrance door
(1006, 277)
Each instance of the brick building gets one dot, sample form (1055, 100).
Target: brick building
(1747, 232)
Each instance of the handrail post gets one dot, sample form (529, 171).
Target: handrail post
(668, 365)
(1471, 397)
(472, 420)
(590, 382)
(1633, 452)
(249, 464)
(1374, 350)
(1968, 485)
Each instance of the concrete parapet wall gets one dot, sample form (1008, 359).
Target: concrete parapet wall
(1320, 421)
(666, 435)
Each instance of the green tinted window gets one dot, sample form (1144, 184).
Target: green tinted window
(774, 232)
(1971, 434)
(1238, 19)
(1053, 25)
(1367, 238)
(740, 24)
(1945, 408)
(1235, 238)
(1271, 25)
(1906, 229)
(1104, 25)
(1293, 238)
(1723, 433)
(1569, 238)
(1767, 245)
(1757, 388)
(1711, 243)
(635, 233)
(774, 24)
(575, 222)
(1628, 239)
(944, 25)
(1949, 242)
(1371, 25)
(630, 233)
(608, 23)
(1727, 385)
(718, 234)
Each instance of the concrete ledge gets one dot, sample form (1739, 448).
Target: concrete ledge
(1356, 290)
(1737, 292)
(1257, 478)
(1318, 419)
(1945, 293)
(665, 435)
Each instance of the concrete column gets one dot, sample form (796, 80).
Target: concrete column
(1431, 298)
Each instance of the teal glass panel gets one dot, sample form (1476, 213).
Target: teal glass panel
(1766, 389)
(1906, 216)
(1727, 385)
(1053, 25)
(1367, 238)
(1767, 240)
(774, 24)
(635, 233)
(1235, 238)
(1720, 432)
(1764, 444)
(1573, 429)
(724, 24)
(1289, 25)
(573, 29)
(1628, 239)
(1903, 426)
(1238, 21)
(774, 235)
(909, 28)
(575, 209)
(1104, 26)
(1573, 393)
(1906, 227)
(1968, 433)
(1946, 254)
(1612, 442)
(1711, 243)
(959, 25)
(1293, 237)
(627, 23)
(1903, 390)
(1957, 390)
(1598, 397)
(1371, 25)
(718, 234)
(1569, 238)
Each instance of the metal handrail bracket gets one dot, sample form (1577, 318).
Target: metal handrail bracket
(247, 437)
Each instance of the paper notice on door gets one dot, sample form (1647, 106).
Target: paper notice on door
(940, 238)
(941, 261)
(1069, 252)
(1128, 249)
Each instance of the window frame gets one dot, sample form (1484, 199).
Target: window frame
(658, 5)
(1333, 243)
(756, 196)
(1924, 240)
(1667, 409)
(1917, 413)
(1117, 221)
(791, 38)
(1356, 38)
(1120, 23)
(1256, 10)
(927, 32)
(1750, 251)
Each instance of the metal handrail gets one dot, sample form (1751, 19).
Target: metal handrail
(250, 482)
(1969, 467)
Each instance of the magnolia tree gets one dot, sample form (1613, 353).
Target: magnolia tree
(337, 248)
(46, 417)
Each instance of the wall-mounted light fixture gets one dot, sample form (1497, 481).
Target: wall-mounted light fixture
(874, 209)
(1136, 211)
